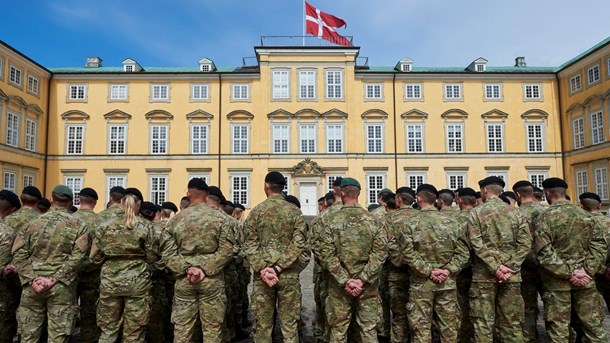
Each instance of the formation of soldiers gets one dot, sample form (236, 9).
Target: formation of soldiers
(413, 268)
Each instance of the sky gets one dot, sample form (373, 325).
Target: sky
(178, 33)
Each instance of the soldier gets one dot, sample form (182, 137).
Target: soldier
(435, 249)
(500, 239)
(238, 212)
(321, 204)
(531, 285)
(48, 255)
(352, 247)
(88, 289)
(398, 277)
(43, 205)
(184, 203)
(114, 205)
(196, 247)
(383, 327)
(168, 210)
(538, 195)
(9, 203)
(445, 202)
(274, 241)
(293, 200)
(511, 197)
(329, 198)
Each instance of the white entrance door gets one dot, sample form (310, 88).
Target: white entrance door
(308, 198)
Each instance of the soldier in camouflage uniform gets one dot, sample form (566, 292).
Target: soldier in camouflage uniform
(500, 239)
(197, 245)
(352, 247)
(275, 241)
(445, 203)
(124, 246)
(48, 255)
(531, 285)
(571, 250)
(399, 271)
(435, 248)
(88, 289)
(114, 204)
(383, 327)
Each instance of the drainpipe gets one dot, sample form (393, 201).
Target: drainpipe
(46, 145)
(395, 137)
(219, 126)
(563, 150)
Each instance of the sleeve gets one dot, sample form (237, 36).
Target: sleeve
(394, 253)
(21, 256)
(411, 256)
(596, 254)
(377, 256)
(251, 243)
(489, 257)
(297, 246)
(461, 254)
(327, 253)
(214, 264)
(524, 243)
(68, 272)
(169, 249)
(7, 238)
(547, 256)
(151, 246)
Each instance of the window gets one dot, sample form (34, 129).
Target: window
(77, 92)
(453, 91)
(240, 139)
(28, 180)
(582, 182)
(240, 185)
(129, 68)
(33, 84)
(160, 92)
(373, 91)
(493, 91)
(413, 91)
(240, 92)
(308, 138)
(205, 177)
(114, 181)
(501, 174)
(281, 136)
(532, 91)
(495, 137)
(578, 133)
(76, 184)
(12, 128)
(415, 137)
(287, 185)
(456, 180)
(10, 181)
(593, 74)
(374, 184)
(535, 137)
(1, 68)
(16, 75)
(374, 138)
(330, 179)
(281, 84)
(117, 139)
(158, 139)
(199, 92)
(158, 189)
(118, 92)
(597, 127)
(480, 67)
(455, 134)
(334, 84)
(536, 178)
(206, 68)
(75, 138)
(334, 138)
(601, 182)
(575, 83)
(405, 67)
(307, 84)
(415, 179)
(199, 139)
(30, 134)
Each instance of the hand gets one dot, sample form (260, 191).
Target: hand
(9, 270)
(43, 284)
(269, 277)
(504, 273)
(195, 275)
(580, 278)
(439, 275)
(354, 287)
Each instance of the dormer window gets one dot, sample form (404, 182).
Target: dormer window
(479, 65)
(206, 65)
(129, 68)
(405, 65)
(405, 68)
(206, 68)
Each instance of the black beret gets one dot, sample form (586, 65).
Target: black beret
(88, 192)
(522, 183)
(467, 191)
(293, 200)
(554, 182)
(492, 180)
(505, 199)
(148, 206)
(158, 208)
(117, 190)
(32, 191)
(407, 190)
(275, 178)
(322, 199)
(337, 182)
(168, 205)
(509, 194)
(537, 190)
(446, 191)
(428, 188)
(44, 202)
(387, 197)
(329, 196)
(213, 190)
(229, 204)
(11, 197)
(198, 183)
(589, 195)
(134, 191)
(240, 206)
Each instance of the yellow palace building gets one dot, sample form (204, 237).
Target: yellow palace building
(313, 112)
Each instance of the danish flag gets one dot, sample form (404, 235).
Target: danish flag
(324, 25)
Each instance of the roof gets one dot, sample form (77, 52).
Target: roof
(584, 54)
(462, 70)
(148, 70)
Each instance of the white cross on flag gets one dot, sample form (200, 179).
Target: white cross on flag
(324, 25)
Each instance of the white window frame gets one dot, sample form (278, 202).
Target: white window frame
(244, 128)
(334, 90)
(578, 133)
(308, 140)
(200, 92)
(488, 138)
(503, 174)
(152, 140)
(582, 182)
(601, 182)
(597, 127)
(411, 137)
(331, 137)
(539, 143)
(307, 84)
(372, 192)
(33, 84)
(204, 176)
(374, 144)
(532, 91)
(329, 181)
(280, 138)
(241, 193)
(118, 92)
(28, 180)
(156, 193)
(450, 89)
(75, 182)
(15, 75)
(575, 83)
(159, 92)
(373, 91)
(112, 181)
(1, 68)
(117, 140)
(77, 92)
(9, 180)
(240, 91)
(536, 178)
(413, 91)
(452, 137)
(593, 74)
(78, 143)
(414, 179)
(13, 128)
(458, 176)
(280, 84)
(200, 141)
(31, 134)
(490, 91)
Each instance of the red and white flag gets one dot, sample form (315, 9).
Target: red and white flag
(324, 25)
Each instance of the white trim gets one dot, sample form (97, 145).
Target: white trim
(80, 92)
(17, 79)
(9, 180)
(376, 92)
(575, 83)
(75, 182)
(413, 86)
(454, 87)
(582, 181)
(601, 186)
(238, 89)
(33, 84)
(503, 174)
(601, 136)
(493, 86)
(535, 90)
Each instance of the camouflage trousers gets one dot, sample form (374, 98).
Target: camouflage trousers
(603, 286)
(287, 296)
(10, 293)
(129, 312)
(463, 281)
(531, 286)
(383, 327)
(205, 301)
(245, 276)
(159, 329)
(233, 305)
(57, 306)
(440, 308)
(497, 305)
(88, 291)
(399, 297)
(342, 309)
(588, 305)
(320, 293)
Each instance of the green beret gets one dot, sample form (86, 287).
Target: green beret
(348, 181)
(383, 191)
(63, 190)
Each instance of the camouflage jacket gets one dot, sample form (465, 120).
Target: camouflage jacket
(198, 236)
(275, 235)
(379, 211)
(433, 240)
(498, 235)
(397, 222)
(7, 237)
(125, 255)
(110, 212)
(353, 245)
(604, 223)
(567, 238)
(450, 211)
(20, 219)
(53, 245)
(316, 229)
(92, 221)
(530, 212)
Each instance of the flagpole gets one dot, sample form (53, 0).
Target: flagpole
(304, 22)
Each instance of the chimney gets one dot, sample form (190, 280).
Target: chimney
(94, 62)
(520, 62)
